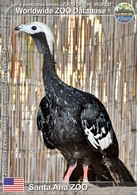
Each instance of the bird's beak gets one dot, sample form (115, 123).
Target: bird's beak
(22, 27)
(17, 28)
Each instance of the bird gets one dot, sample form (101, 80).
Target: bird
(75, 122)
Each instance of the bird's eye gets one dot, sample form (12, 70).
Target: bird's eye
(34, 28)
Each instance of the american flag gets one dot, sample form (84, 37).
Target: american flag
(13, 184)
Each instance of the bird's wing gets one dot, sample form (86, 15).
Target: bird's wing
(41, 122)
(98, 129)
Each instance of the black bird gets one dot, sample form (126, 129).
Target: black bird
(75, 122)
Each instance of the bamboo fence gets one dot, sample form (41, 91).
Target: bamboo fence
(93, 53)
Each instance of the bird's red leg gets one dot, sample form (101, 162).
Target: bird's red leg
(85, 175)
(69, 172)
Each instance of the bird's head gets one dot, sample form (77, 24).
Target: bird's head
(41, 34)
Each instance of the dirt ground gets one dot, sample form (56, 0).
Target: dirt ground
(93, 191)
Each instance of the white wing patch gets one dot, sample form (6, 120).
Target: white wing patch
(105, 141)
(91, 138)
(97, 140)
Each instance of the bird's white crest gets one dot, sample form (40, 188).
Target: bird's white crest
(40, 27)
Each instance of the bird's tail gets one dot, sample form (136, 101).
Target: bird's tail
(110, 171)
(98, 174)
(118, 171)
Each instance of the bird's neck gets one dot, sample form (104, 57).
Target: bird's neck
(52, 83)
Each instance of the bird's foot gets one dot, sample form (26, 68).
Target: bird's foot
(90, 185)
(65, 180)
(65, 183)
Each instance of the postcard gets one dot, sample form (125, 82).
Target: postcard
(68, 96)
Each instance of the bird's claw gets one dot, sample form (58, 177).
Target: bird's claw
(90, 185)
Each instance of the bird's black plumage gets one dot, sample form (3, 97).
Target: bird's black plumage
(42, 117)
(76, 122)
